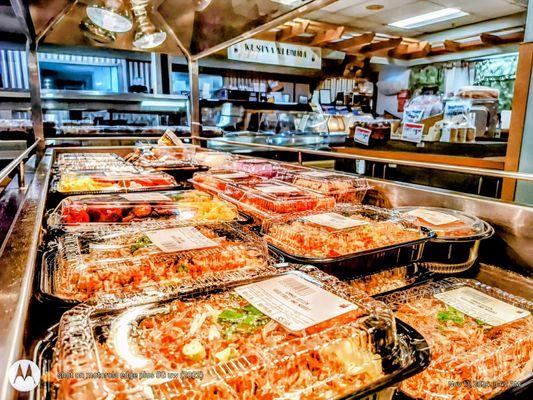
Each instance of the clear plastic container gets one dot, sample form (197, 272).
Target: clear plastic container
(160, 209)
(458, 237)
(223, 346)
(102, 182)
(347, 241)
(213, 159)
(217, 180)
(256, 166)
(164, 157)
(471, 358)
(344, 188)
(274, 198)
(72, 162)
(81, 267)
(391, 279)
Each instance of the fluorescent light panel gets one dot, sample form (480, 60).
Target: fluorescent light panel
(444, 14)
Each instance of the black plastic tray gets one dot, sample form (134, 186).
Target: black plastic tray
(365, 262)
(414, 273)
(182, 173)
(411, 342)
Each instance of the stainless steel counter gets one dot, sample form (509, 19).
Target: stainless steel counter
(511, 246)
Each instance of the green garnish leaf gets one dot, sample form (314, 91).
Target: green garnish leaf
(451, 314)
(479, 322)
(243, 320)
(230, 316)
(143, 241)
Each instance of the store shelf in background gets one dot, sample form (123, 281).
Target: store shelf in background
(489, 163)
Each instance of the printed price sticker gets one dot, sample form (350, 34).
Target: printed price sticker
(294, 302)
(412, 132)
(180, 239)
(433, 217)
(317, 174)
(233, 175)
(362, 135)
(481, 306)
(146, 196)
(334, 220)
(274, 189)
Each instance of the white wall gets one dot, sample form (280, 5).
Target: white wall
(390, 103)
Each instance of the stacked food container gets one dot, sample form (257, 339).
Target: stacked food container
(256, 284)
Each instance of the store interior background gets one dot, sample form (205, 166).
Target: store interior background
(101, 84)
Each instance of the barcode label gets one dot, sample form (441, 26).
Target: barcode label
(481, 306)
(433, 217)
(294, 302)
(277, 189)
(298, 287)
(180, 239)
(145, 197)
(334, 220)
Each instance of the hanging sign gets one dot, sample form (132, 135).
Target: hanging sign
(264, 52)
(412, 132)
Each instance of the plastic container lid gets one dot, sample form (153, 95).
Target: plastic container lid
(128, 260)
(449, 224)
(217, 180)
(346, 230)
(156, 209)
(213, 159)
(84, 182)
(73, 162)
(164, 157)
(481, 338)
(345, 189)
(254, 166)
(229, 345)
(274, 198)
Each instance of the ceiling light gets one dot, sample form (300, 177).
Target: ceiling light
(112, 16)
(375, 7)
(96, 34)
(444, 14)
(147, 36)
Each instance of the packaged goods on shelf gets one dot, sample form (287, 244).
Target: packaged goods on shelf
(458, 236)
(78, 162)
(83, 266)
(163, 157)
(157, 209)
(273, 198)
(217, 180)
(231, 345)
(348, 240)
(256, 166)
(391, 279)
(102, 182)
(344, 188)
(213, 159)
(481, 338)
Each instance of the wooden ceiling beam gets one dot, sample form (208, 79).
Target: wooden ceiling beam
(411, 50)
(356, 41)
(289, 32)
(327, 36)
(493, 39)
(381, 45)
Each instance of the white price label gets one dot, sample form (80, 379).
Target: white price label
(433, 217)
(412, 132)
(294, 302)
(334, 220)
(180, 239)
(317, 174)
(232, 175)
(481, 306)
(277, 189)
(145, 197)
(362, 135)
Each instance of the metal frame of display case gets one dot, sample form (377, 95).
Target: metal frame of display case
(19, 260)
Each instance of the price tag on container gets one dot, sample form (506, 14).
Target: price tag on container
(145, 197)
(433, 217)
(169, 138)
(277, 189)
(294, 302)
(334, 220)
(481, 306)
(362, 135)
(180, 239)
(412, 132)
